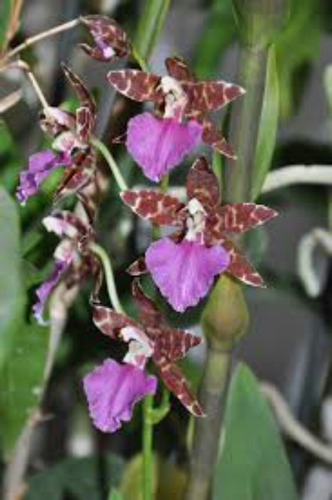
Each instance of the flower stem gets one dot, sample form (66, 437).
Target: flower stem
(206, 443)
(111, 163)
(244, 123)
(109, 276)
(147, 447)
(41, 36)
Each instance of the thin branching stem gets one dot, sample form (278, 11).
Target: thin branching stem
(40, 36)
(111, 163)
(109, 276)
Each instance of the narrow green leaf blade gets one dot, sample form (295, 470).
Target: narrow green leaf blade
(268, 125)
(253, 464)
(21, 380)
(150, 25)
(11, 292)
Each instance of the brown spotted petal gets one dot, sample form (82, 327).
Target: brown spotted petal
(240, 217)
(202, 184)
(149, 315)
(138, 267)
(111, 41)
(178, 68)
(240, 267)
(174, 344)
(212, 137)
(77, 177)
(85, 122)
(157, 207)
(137, 85)
(110, 322)
(86, 100)
(209, 95)
(177, 384)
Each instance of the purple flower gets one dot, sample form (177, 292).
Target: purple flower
(112, 389)
(184, 271)
(45, 289)
(40, 165)
(159, 144)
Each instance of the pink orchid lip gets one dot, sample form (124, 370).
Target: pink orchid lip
(112, 390)
(159, 144)
(184, 271)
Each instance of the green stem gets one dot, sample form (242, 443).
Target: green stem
(212, 396)
(244, 124)
(147, 447)
(111, 163)
(109, 276)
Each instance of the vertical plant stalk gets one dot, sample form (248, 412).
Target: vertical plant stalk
(147, 447)
(244, 124)
(258, 24)
(212, 396)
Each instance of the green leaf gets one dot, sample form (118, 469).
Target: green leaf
(115, 495)
(296, 46)
(253, 464)
(5, 12)
(218, 33)
(21, 380)
(150, 25)
(9, 159)
(73, 477)
(11, 292)
(268, 125)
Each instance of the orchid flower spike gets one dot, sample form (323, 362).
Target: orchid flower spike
(73, 259)
(71, 146)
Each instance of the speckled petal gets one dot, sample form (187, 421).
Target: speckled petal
(112, 389)
(159, 144)
(184, 271)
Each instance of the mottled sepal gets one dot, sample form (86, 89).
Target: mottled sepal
(157, 207)
(110, 40)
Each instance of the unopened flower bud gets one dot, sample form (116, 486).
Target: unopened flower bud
(225, 318)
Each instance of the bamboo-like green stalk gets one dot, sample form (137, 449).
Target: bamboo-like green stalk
(257, 27)
(244, 124)
(206, 443)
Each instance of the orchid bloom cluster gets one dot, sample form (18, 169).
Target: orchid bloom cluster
(184, 263)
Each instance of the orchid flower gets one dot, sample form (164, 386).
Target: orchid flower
(73, 259)
(71, 146)
(110, 41)
(151, 338)
(184, 264)
(159, 142)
